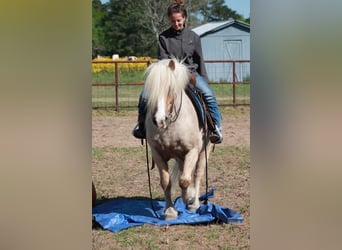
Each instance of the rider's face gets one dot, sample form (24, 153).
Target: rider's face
(177, 21)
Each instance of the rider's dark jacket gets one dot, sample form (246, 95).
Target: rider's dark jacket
(184, 44)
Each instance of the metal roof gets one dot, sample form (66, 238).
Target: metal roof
(215, 26)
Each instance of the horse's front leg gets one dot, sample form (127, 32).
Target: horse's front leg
(188, 192)
(170, 211)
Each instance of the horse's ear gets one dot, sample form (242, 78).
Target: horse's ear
(172, 65)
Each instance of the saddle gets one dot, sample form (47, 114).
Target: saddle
(200, 106)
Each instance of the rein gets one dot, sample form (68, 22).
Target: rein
(206, 137)
(173, 119)
(149, 180)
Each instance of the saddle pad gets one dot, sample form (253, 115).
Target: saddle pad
(122, 213)
(196, 101)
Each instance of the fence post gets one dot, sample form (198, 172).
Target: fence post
(116, 86)
(234, 94)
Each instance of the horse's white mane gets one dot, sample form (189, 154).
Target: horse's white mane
(161, 80)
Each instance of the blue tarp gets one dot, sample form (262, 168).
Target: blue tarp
(122, 213)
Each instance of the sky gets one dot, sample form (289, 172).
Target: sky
(240, 6)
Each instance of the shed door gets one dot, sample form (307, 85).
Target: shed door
(233, 51)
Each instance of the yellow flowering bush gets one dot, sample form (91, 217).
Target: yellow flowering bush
(107, 64)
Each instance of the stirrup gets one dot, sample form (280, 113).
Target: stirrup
(139, 132)
(216, 136)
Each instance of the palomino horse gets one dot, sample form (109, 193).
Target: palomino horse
(173, 132)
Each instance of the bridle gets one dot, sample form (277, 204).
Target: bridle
(174, 113)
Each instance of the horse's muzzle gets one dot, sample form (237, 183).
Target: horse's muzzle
(160, 123)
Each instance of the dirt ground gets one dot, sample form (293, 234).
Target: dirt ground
(115, 131)
(119, 162)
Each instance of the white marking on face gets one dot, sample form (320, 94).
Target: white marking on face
(160, 114)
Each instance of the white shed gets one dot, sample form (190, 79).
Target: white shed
(225, 40)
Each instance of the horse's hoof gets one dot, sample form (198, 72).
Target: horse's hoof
(190, 201)
(171, 213)
(192, 204)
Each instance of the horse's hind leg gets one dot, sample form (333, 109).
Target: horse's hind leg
(198, 176)
(170, 211)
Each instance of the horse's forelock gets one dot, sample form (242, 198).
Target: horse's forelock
(162, 79)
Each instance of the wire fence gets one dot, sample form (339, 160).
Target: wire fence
(116, 84)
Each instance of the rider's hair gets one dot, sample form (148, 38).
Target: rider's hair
(177, 6)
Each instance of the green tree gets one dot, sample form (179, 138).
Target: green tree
(216, 10)
(194, 9)
(154, 17)
(125, 33)
(99, 15)
(132, 27)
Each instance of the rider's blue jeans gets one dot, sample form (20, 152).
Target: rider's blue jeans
(210, 99)
(208, 96)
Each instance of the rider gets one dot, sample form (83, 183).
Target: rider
(182, 43)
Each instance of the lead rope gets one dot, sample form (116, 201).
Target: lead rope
(149, 180)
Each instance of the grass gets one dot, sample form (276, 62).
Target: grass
(97, 153)
(124, 77)
(128, 95)
(121, 171)
(128, 238)
(109, 91)
(116, 168)
(214, 234)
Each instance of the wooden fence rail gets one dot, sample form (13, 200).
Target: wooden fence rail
(229, 80)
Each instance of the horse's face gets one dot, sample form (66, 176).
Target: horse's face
(163, 110)
(164, 83)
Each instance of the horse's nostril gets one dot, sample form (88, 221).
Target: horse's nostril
(161, 124)
(154, 121)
